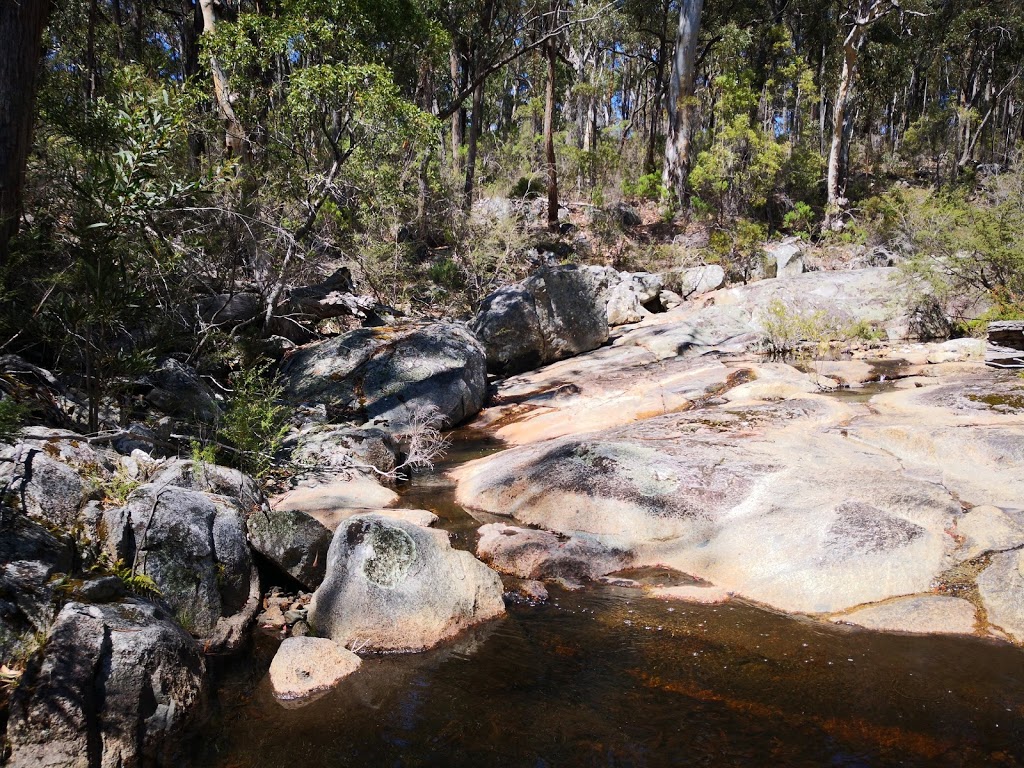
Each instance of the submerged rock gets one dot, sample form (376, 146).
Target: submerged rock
(924, 614)
(395, 586)
(117, 685)
(307, 667)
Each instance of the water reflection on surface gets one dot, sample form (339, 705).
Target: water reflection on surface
(608, 677)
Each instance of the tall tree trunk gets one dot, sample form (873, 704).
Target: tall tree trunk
(459, 116)
(551, 54)
(475, 130)
(851, 50)
(655, 121)
(234, 134)
(21, 31)
(681, 106)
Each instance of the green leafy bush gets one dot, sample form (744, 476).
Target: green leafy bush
(256, 422)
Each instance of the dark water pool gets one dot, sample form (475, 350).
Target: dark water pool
(608, 677)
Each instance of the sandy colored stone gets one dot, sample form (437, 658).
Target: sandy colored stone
(692, 593)
(356, 492)
(924, 614)
(1001, 586)
(332, 518)
(306, 666)
(990, 529)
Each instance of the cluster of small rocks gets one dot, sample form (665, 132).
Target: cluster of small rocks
(285, 614)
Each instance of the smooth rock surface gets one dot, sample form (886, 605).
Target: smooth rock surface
(1001, 586)
(925, 614)
(395, 586)
(305, 667)
(733, 497)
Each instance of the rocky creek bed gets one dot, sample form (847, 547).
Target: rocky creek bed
(659, 547)
(610, 675)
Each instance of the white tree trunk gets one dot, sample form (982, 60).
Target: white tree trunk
(681, 102)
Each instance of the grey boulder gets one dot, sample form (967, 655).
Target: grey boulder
(117, 685)
(556, 313)
(293, 541)
(193, 546)
(394, 376)
(395, 586)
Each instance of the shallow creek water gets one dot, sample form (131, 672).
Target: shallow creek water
(608, 677)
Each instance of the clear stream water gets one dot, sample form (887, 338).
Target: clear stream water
(608, 677)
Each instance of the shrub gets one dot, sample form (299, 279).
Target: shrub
(256, 422)
(12, 416)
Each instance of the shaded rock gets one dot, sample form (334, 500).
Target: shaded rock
(1001, 587)
(925, 614)
(229, 310)
(178, 391)
(293, 541)
(305, 667)
(193, 545)
(394, 586)
(393, 376)
(30, 560)
(554, 314)
(545, 556)
(118, 685)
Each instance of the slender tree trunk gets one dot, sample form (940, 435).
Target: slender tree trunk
(475, 130)
(655, 117)
(459, 116)
(551, 53)
(21, 30)
(234, 134)
(851, 49)
(681, 106)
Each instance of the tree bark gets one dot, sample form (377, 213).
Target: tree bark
(851, 50)
(551, 54)
(21, 30)
(681, 106)
(234, 135)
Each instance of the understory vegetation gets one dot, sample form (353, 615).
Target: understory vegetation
(192, 165)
